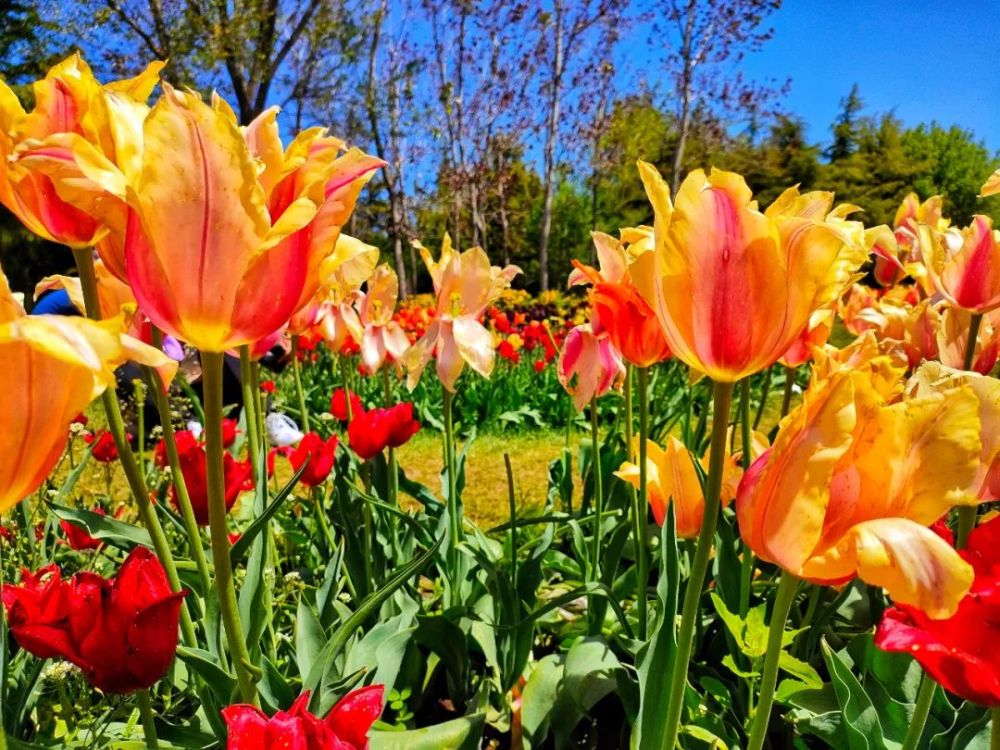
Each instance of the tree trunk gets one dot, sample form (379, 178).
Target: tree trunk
(550, 152)
(504, 224)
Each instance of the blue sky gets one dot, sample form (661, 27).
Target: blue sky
(927, 60)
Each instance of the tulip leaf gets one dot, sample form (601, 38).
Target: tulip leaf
(465, 733)
(538, 699)
(125, 536)
(368, 606)
(861, 719)
(239, 549)
(205, 665)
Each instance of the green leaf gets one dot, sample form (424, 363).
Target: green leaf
(465, 733)
(205, 665)
(730, 663)
(861, 720)
(800, 669)
(309, 637)
(733, 622)
(125, 536)
(239, 549)
(538, 699)
(589, 672)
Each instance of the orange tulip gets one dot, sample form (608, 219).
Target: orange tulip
(51, 367)
(334, 308)
(733, 287)
(630, 323)
(991, 186)
(671, 476)
(465, 284)
(964, 266)
(953, 339)
(214, 256)
(589, 365)
(36, 149)
(853, 481)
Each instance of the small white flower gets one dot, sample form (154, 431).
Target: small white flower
(195, 428)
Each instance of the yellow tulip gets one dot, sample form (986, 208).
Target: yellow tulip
(51, 368)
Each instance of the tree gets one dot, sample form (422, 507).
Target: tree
(845, 127)
(707, 40)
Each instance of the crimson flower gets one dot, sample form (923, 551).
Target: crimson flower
(402, 425)
(344, 728)
(368, 433)
(962, 653)
(121, 632)
(319, 455)
(228, 432)
(338, 405)
(104, 449)
(238, 476)
(267, 386)
(539, 365)
(77, 536)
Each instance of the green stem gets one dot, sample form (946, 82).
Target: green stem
(766, 389)
(642, 507)
(995, 732)
(769, 678)
(319, 507)
(747, 561)
(218, 526)
(925, 697)
(140, 415)
(195, 544)
(723, 395)
(148, 725)
(347, 387)
(116, 426)
(299, 393)
(393, 470)
(967, 513)
(454, 507)
(512, 505)
(250, 411)
(595, 473)
(786, 401)
(259, 405)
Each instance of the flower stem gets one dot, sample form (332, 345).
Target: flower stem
(250, 410)
(723, 396)
(217, 521)
(747, 561)
(116, 426)
(779, 614)
(967, 513)
(925, 696)
(148, 725)
(347, 387)
(642, 505)
(595, 473)
(454, 507)
(393, 471)
(995, 732)
(297, 375)
(763, 396)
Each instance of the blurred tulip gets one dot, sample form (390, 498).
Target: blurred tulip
(964, 266)
(346, 727)
(991, 186)
(238, 477)
(78, 538)
(338, 405)
(962, 653)
(589, 365)
(852, 482)
(121, 632)
(465, 284)
(104, 449)
(52, 368)
(382, 336)
(318, 454)
(733, 287)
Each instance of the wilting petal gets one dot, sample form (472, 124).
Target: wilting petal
(913, 564)
(475, 345)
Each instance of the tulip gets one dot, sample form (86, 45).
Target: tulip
(37, 169)
(340, 408)
(910, 216)
(964, 266)
(121, 632)
(401, 424)
(238, 475)
(962, 652)
(465, 285)
(78, 537)
(53, 367)
(104, 449)
(382, 336)
(853, 481)
(368, 433)
(346, 727)
(733, 287)
(630, 323)
(953, 340)
(317, 454)
(991, 186)
(589, 365)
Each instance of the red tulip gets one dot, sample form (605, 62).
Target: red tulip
(368, 433)
(402, 425)
(105, 449)
(228, 432)
(285, 450)
(319, 455)
(338, 405)
(122, 631)
(267, 386)
(238, 475)
(539, 365)
(78, 538)
(344, 728)
(963, 652)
